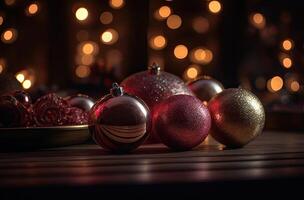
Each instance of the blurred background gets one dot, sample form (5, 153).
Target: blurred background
(84, 46)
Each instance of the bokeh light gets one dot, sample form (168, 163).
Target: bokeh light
(110, 36)
(116, 4)
(214, 6)
(275, 84)
(294, 86)
(180, 51)
(158, 42)
(174, 22)
(32, 9)
(164, 12)
(1, 20)
(287, 44)
(287, 62)
(201, 55)
(258, 20)
(9, 35)
(82, 71)
(88, 48)
(87, 59)
(192, 72)
(9, 2)
(20, 77)
(200, 25)
(27, 84)
(106, 18)
(81, 14)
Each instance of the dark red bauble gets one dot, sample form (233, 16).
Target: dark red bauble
(182, 122)
(153, 86)
(205, 88)
(81, 101)
(13, 113)
(23, 97)
(119, 122)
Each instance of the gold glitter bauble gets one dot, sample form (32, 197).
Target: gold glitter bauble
(237, 117)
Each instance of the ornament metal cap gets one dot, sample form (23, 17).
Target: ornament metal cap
(154, 68)
(116, 90)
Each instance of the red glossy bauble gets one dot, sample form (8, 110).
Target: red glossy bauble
(182, 122)
(81, 101)
(153, 86)
(205, 88)
(119, 122)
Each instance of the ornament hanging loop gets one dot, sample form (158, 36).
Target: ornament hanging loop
(116, 90)
(154, 68)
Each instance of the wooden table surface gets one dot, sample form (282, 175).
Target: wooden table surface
(274, 160)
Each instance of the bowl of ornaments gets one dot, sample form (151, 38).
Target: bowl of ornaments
(50, 121)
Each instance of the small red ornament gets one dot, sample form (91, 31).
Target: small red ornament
(182, 122)
(205, 88)
(81, 101)
(119, 122)
(13, 113)
(153, 86)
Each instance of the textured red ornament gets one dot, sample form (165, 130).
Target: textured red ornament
(153, 86)
(119, 122)
(182, 122)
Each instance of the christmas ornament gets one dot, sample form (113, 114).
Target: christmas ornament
(119, 122)
(23, 97)
(49, 110)
(81, 101)
(13, 113)
(237, 117)
(182, 122)
(75, 116)
(153, 86)
(205, 88)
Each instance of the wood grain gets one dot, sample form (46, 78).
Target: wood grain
(273, 156)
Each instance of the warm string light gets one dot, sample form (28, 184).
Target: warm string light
(275, 84)
(82, 71)
(200, 25)
(180, 51)
(26, 84)
(192, 72)
(1, 20)
(287, 44)
(174, 22)
(9, 35)
(164, 12)
(26, 78)
(116, 4)
(2, 65)
(81, 14)
(158, 42)
(287, 62)
(258, 20)
(201, 55)
(9, 2)
(32, 9)
(110, 36)
(294, 86)
(214, 6)
(106, 18)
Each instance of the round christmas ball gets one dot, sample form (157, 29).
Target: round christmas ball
(119, 122)
(81, 101)
(23, 97)
(205, 88)
(182, 122)
(13, 113)
(237, 117)
(153, 86)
